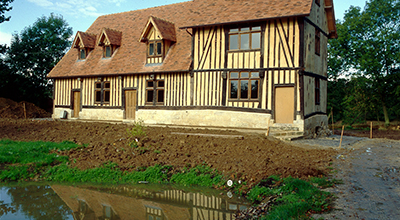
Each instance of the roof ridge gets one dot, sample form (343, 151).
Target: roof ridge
(143, 9)
(162, 19)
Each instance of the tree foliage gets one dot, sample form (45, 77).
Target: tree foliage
(31, 56)
(4, 7)
(367, 52)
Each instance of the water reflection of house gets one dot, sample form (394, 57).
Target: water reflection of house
(134, 203)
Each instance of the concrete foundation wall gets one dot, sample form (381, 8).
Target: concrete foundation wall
(92, 114)
(316, 125)
(205, 118)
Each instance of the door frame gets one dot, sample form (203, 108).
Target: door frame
(124, 99)
(275, 100)
(73, 91)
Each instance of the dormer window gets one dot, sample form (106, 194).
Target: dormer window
(159, 35)
(107, 52)
(110, 40)
(155, 48)
(84, 42)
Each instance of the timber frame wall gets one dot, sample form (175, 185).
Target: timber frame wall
(286, 58)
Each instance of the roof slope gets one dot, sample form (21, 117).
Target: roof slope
(130, 57)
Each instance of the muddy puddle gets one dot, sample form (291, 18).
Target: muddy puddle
(87, 202)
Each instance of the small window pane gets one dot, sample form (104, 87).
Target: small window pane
(151, 49)
(149, 96)
(256, 28)
(255, 74)
(150, 84)
(233, 42)
(83, 54)
(234, 30)
(107, 85)
(245, 29)
(108, 51)
(244, 90)
(234, 89)
(106, 96)
(255, 40)
(98, 85)
(234, 75)
(159, 48)
(98, 96)
(161, 83)
(245, 41)
(254, 89)
(244, 75)
(160, 96)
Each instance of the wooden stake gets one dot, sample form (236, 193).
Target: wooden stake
(370, 133)
(268, 131)
(24, 110)
(341, 137)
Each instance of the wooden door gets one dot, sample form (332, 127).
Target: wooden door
(130, 104)
(77, 104)
(284, 105)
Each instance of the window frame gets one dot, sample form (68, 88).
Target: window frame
(317, 46)
(105, 51)
(103, 91)
(240, 32)
(80, 53)
(317, 91)
(155, 89)
(239, 80)
(155, 48)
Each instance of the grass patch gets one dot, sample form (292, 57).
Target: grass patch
(295, 198)
(24, 160)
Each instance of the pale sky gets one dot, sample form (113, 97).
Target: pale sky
(80, 14)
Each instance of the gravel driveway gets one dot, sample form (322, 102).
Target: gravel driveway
(369, 169)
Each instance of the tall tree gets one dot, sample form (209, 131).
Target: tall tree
(4, 8)
(369, 46)
(35, 51)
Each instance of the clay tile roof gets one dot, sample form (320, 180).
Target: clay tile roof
(113, 36)
(166, 28)
(211, 12)
(127, 27)
(88, 40)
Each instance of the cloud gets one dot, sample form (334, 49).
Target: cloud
(78, 8)
(5, 38)
(43, 3)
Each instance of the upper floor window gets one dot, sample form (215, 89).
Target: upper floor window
(155, 48)
(82, 53)
(245, 38)
(107, 51)
(244, 86)
(317, 42)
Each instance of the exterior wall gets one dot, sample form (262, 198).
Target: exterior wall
(205, 118)
(207, 88)
(315, 65)
(63, 91)
(316, 125)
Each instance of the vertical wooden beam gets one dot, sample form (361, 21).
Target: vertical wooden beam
(225, 73)
(301, 64)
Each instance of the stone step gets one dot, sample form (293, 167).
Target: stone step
(283, 128)
(289, 138)
(286, 133)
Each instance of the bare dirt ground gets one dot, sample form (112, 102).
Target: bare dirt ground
(250, 157)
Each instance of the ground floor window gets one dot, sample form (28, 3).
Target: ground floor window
(317, 91)
(102, 92)
(244, 86)
(155, 92)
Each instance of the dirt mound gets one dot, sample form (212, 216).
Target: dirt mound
(15, 110)
(251, 158)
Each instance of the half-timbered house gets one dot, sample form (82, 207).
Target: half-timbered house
(254, 64)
